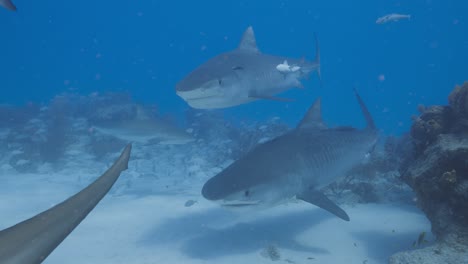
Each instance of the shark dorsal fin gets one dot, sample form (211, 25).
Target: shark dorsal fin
(365, 112)
(313, 117)
(141, 113)
(248, 42)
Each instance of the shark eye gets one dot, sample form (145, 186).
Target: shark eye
(220, 81)
(247, 193)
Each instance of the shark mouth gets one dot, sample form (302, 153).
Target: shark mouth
(239, 203)
(194, 98)
(199, 94)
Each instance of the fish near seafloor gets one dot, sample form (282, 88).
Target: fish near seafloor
(295, 165)
(8, 5)
(241, 76)
(32, 240)
(144, 130)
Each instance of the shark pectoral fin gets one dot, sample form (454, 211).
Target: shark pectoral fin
(319, 199)
(268, 97)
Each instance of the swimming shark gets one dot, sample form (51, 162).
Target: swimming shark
(8, 5)
(296, 165)
(144, 129)
(32, 240)
(243, 75)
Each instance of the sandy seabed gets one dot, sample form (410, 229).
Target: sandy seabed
(159, 228)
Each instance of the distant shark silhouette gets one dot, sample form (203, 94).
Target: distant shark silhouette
(32, 240)
(8, 5)
(144, 129)
(297, 165)
(244, 75)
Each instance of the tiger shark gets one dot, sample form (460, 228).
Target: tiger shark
(32, 240)
(296, 165)
(243, 75)
(8, 5)
(144, 129)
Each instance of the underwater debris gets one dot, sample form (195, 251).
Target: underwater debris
(271, 252)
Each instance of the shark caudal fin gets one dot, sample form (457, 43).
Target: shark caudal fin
(365, 112)
(8, 5)
(32, 240)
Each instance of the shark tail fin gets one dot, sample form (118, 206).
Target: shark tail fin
(8, 5)
(365, 111)
(32, 240)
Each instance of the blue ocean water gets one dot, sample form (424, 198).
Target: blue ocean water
(145, 47)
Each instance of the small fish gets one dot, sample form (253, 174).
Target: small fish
(286, 68)
(421, 238)
(190, 203)
(8, 5)
(391, 18)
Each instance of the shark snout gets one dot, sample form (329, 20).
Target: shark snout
(209, 192)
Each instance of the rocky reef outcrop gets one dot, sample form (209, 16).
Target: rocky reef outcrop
(438, 173)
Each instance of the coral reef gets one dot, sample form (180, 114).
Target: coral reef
(458, 101)
(433, 121)
(271, 252)
(440, 179)
(438, 173)
(448, 252)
